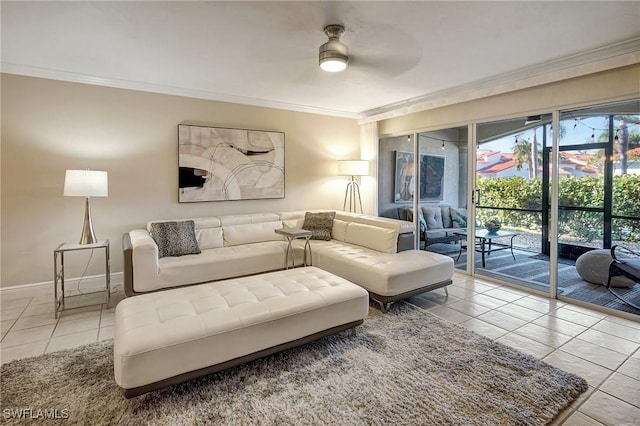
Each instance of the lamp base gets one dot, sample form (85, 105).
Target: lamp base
(352, 196)
(87, 236)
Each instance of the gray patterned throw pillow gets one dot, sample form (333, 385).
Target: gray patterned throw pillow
(320, 224)
(175, 238)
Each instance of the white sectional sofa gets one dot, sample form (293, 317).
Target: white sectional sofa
(230, 246)
(369, 251)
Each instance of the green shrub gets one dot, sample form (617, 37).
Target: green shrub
(586, 191)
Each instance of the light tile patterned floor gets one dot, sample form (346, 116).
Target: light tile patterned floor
(603, 349)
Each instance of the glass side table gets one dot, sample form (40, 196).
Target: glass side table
(293, 234)
(87, 299)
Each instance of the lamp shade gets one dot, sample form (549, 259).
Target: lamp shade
(353, 167)
(86, 183)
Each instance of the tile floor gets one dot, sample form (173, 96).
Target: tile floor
(603, 349)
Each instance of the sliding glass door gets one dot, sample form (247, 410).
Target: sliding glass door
(545, 214)
(426, 173)
(599, 199)
(443, 181)
(510, 218)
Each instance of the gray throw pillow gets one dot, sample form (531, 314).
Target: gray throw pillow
(175, 238)
(320, 224)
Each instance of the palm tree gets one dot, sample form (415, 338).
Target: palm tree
(624, 139)
(524, 152)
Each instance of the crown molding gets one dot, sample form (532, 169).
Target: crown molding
(52, 74)
(602, 59)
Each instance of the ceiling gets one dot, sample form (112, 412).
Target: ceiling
(266, 53)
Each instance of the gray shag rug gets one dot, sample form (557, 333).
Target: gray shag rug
(403, 367)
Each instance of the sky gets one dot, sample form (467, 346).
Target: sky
(576, 133)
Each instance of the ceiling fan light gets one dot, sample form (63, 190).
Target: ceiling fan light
(333, 64)
(334, 55)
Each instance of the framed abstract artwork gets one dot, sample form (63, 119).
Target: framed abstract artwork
(431, 184)
(221, 164)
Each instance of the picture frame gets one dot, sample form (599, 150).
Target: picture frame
(225, 164)
(431, 185)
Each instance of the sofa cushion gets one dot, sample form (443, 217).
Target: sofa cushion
(339, 230)
(175, 238)
(206, 222)
(243, 219)
(293, 223)
(209, 238)
(347, 216)
(382, 273)
(291, 215)
(433, 216)
(459, 217)
(217, 264)
(446, 216)
(249, 233)
(379, 239)
(320, 224)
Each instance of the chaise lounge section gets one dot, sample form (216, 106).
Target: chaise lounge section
(365, 254)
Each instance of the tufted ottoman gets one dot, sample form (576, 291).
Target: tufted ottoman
(172, 336)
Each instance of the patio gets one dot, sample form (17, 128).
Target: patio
(531, 269)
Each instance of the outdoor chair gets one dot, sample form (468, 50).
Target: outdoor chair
(625, 263)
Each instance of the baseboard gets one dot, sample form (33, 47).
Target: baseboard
(87, 284)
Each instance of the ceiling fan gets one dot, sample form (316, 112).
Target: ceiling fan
(334, 55)
(392, 52)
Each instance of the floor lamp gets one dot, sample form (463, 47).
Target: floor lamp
(86, 183)
(353, 168)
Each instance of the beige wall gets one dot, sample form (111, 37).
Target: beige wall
(616, 84)
(49, 126)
